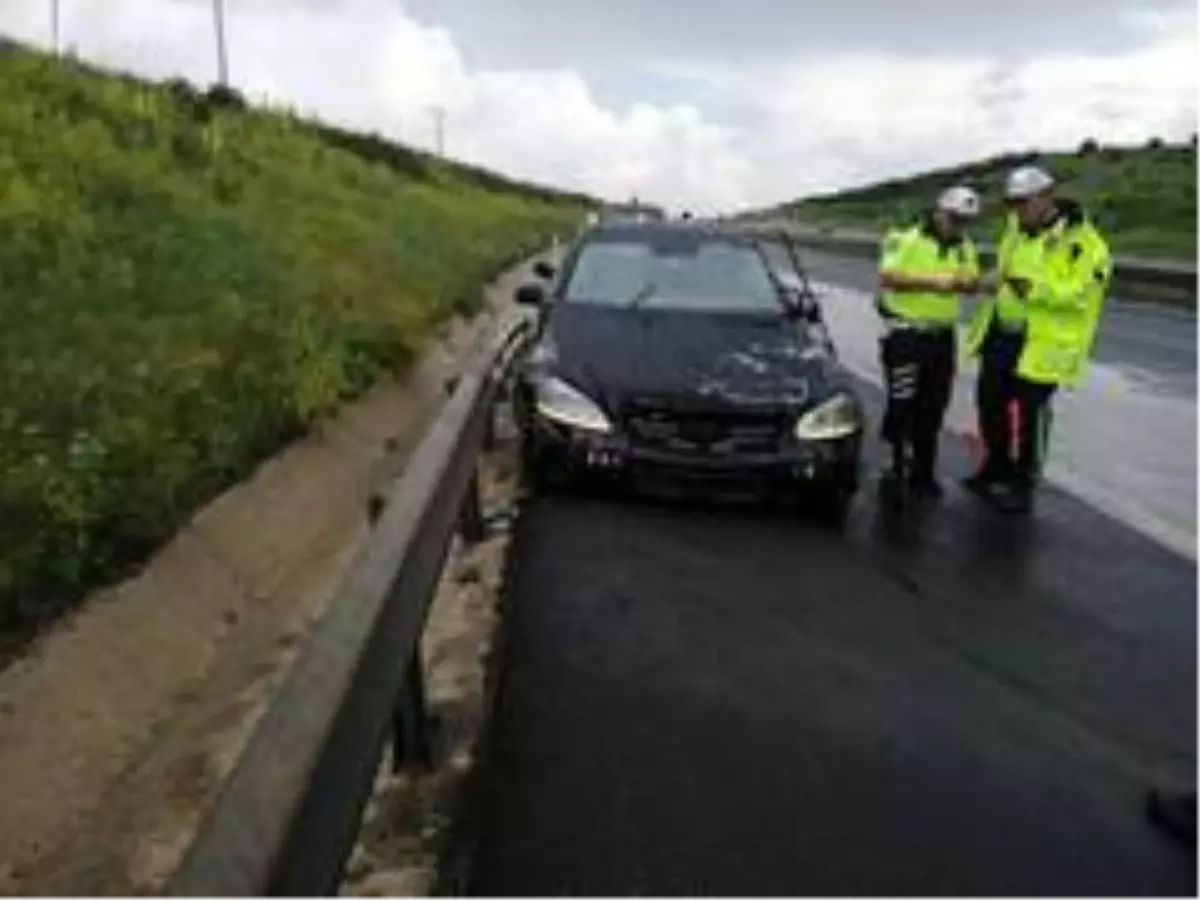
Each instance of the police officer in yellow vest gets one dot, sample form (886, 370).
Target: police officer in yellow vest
(922, 270)
(1053, 271)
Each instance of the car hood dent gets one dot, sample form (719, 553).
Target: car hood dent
(709, 360)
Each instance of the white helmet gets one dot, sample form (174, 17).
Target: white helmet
(959, 200)
(1026, 181)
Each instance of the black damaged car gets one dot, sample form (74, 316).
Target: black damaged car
(679, 358)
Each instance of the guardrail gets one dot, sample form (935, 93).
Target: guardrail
(1133, 278)
(289, 814)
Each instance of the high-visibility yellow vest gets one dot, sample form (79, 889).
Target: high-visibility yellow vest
(1069, 270)
(917, 251)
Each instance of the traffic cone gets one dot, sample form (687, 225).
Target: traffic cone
(1014, 428)
(977, 449)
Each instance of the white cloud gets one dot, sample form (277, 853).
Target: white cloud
(805, 125)
(855, 119)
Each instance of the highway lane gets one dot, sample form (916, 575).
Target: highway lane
(707, 700)
(696, 700)
(1125, 440)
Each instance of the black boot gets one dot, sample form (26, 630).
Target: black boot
(926, 488)
(985, 480)
(1174, 812)
(1016, 498)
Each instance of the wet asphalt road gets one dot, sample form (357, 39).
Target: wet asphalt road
(721, 701)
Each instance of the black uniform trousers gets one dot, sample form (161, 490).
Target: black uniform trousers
(918, 366)
(998, 390)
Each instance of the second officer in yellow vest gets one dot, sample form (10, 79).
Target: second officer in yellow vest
(922, 270)
(1036, 334)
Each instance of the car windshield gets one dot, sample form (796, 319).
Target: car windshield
(694, 273)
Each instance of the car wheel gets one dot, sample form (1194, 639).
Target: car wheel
(541, 472)
(833, 507)
(830, 502)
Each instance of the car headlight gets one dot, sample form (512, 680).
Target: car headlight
(836, 418)
(560, 402)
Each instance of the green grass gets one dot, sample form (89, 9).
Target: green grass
(1143, 197)
(187, 284)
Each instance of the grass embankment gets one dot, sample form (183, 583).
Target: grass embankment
(1144, 197)
(185, 285)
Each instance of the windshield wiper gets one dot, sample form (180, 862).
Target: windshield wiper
(644, 293)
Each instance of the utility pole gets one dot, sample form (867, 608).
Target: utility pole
(55, 26)
(222, 56)
(439, 128)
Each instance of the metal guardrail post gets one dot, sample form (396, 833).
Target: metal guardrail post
(489, 431)
(470, 524)
(412, 727)
(374, 508)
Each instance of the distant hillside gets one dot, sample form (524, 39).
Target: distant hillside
(1145, 197)
(186, 284)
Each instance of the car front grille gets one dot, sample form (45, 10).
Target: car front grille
(719, 433)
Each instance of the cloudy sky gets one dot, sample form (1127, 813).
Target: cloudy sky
(709, 104)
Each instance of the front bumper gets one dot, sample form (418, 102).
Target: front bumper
(617, 459)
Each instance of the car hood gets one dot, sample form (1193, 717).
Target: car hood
(693, 359)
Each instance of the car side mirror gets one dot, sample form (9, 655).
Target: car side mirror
(543, 269)
(531, 295)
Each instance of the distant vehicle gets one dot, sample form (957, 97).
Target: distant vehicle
(621, 213)
(679, 357)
